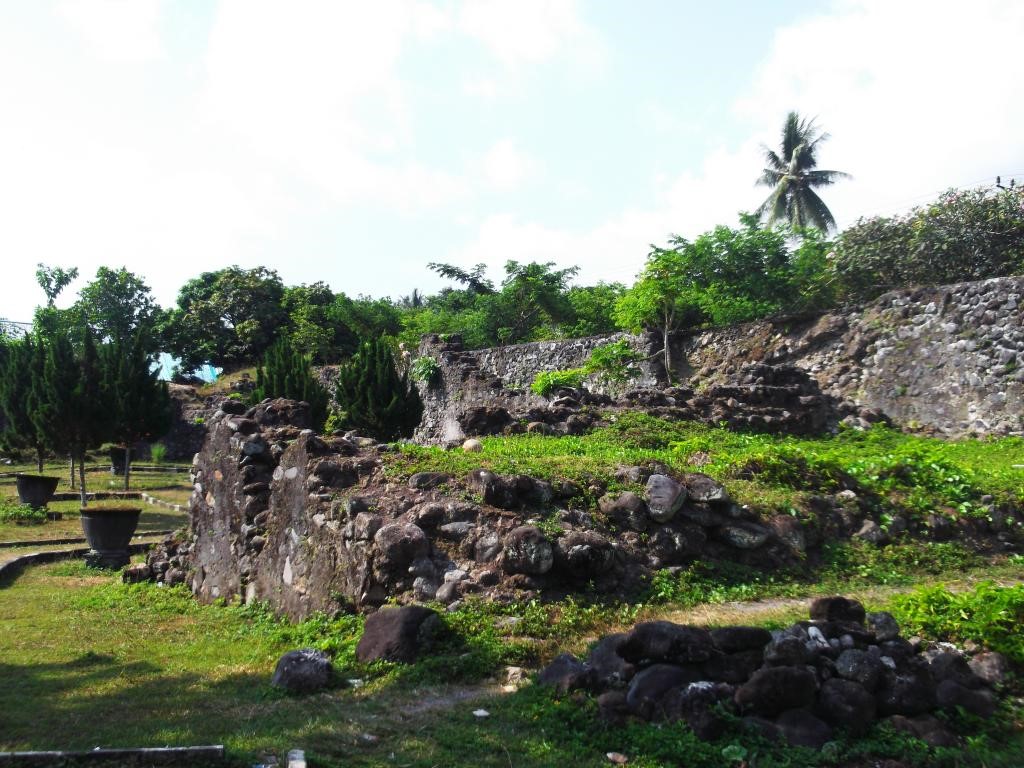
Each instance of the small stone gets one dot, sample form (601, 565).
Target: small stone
(617, 758)
(472, 446)
(481, 713)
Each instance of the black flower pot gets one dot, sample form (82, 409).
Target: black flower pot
(36, 490)
(109, 531)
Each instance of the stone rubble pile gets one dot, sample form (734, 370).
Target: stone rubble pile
(841, 670)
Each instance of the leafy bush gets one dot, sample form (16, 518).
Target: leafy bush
(11, 512)
(424, 369)
(158, 453)
(964, 235)
(547, 382)
(614, 362)
(990, 615)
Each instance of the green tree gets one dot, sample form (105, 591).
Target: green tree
(963, 235)
(793, 175)
(138, 403)
(21, 368)
(661, 298)
(593, 308)
(71, 414)
(53, 280)
(227, 318)
(374, 397)
(287, 372)
(119, 307)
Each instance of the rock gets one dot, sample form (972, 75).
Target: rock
(303, 671)
(627, 510)
(488, 547)
(365, 526)
(664, 497)
(991, 667)
(677, 543)
(584, 554)
(663, 641)
(786, 651)
(846, 704)
(790, 532)
(527, 550)
(927, 728)
(484, 420)
(700, 706)
(398, 634)
(174, 576)
(744, 535)
(950, 694)
(609, 668)
(883, 625)
(397, 546)
(612, 708)
(733, 668)
(566, 673)
(733, 639)
(772, 690)
(909, 691)
(447, 593)
(951, 665)
(422, 481)
(647, 688)
(472, 446)
(871, 532)
(703, 489)
(837, 609)
(860, 667)
(800, 728)
(136, 573)
(455, 531)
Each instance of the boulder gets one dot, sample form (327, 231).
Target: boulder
(733, 639)
(703, 489)
(664, 497)
(800, 728)
(610, 669)
(677, 543)
(584, 554)
(786, 651)
(991, 667)
(910, 691)
(735, 667)
(663, 641)
(527, 550)
(566, 673)
(627, 510)
(837, 609)
(422, 481)
(884, 625)
(860, 667)
(950, 694)
(646, 689)
(927, 728)
(846, 704)
(744, 535)
(398, 634)
(772, 690)
(397, 546)
(700, 706)
(303, 671)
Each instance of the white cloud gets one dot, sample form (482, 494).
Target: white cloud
(506, 167)
(116, 30)
(532, 31)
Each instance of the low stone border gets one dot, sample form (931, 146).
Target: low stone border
(96, 495)
(143, 756)
(10, 570)
(161, 503)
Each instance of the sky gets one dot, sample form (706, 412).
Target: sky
(354, 142)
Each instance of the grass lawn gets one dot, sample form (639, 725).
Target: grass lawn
(87, 661)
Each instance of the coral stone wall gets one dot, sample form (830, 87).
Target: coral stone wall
(948, 359)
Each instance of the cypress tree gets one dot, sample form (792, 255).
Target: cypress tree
(72, 414)
(374, 397)
(286, 372)
(139, 403)
(21, 370)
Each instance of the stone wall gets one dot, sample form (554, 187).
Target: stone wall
(948, 359)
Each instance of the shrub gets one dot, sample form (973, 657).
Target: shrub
(547, 382)
(425, 369)
(964, 235)
(158, 453)
(990, 615)
(20, 513)
(614, 362)
(286, 372)
(373, 396)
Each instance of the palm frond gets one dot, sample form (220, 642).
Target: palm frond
(818, 213)
(825, 178)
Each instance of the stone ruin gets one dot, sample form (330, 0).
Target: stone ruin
(308, 522)
(842, 669)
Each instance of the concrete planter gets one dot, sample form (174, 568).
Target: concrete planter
(109, 531)
(36, 490)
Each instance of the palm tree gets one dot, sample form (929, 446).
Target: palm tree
(793, 176)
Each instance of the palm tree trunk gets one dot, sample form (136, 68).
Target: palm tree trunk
(81, 479)
(127, 464)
